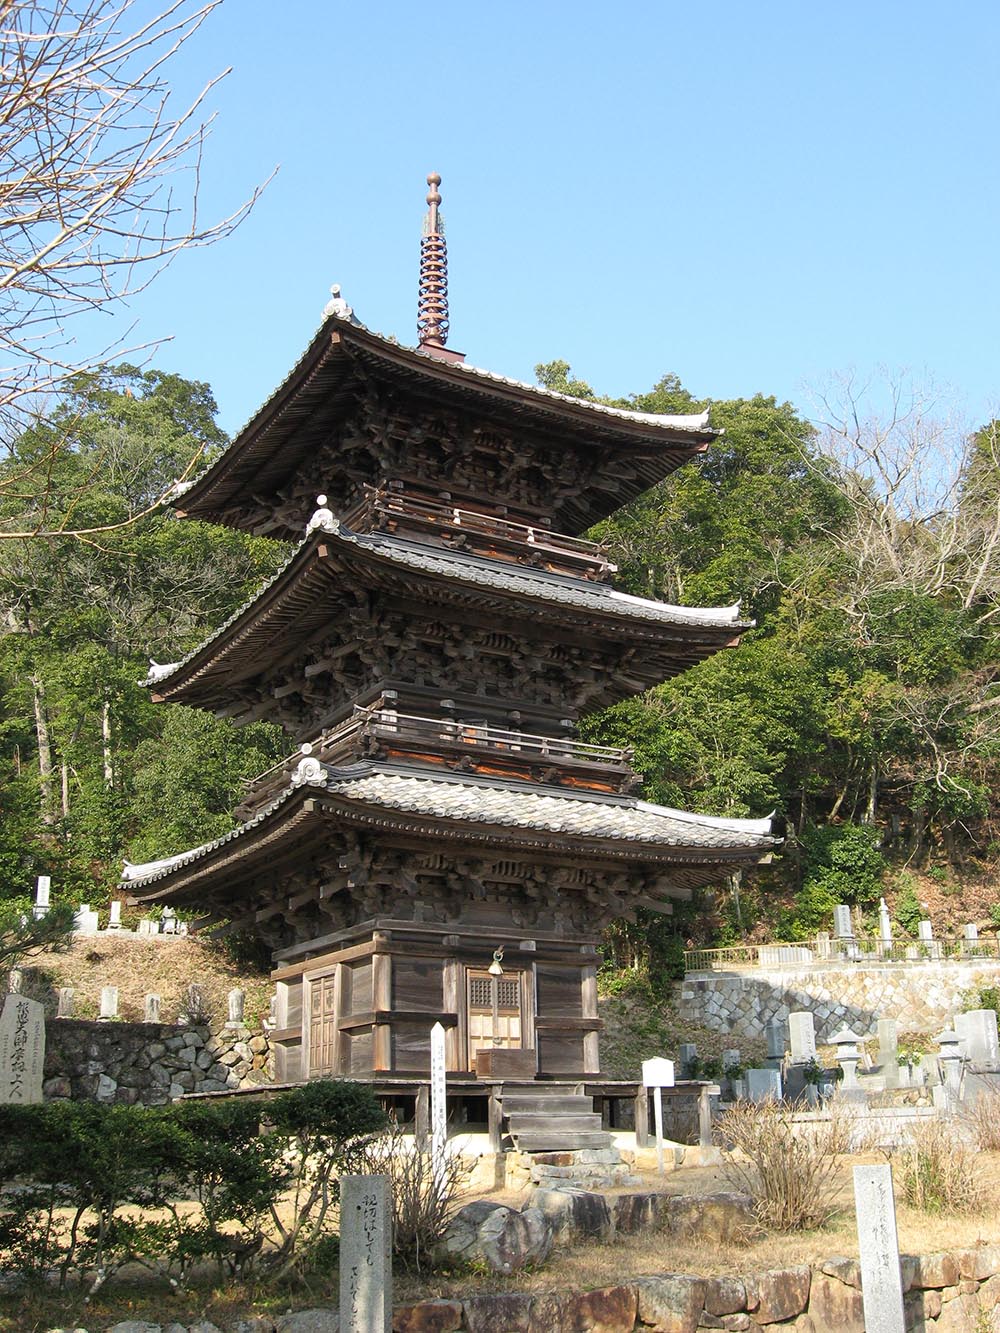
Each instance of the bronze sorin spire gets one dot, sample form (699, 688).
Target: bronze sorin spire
(432, 303)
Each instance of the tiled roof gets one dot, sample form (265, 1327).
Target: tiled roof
(496, 804)
(478, 572)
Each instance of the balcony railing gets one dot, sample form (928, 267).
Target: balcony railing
(387, 510)
(824, 952)
(375, 731)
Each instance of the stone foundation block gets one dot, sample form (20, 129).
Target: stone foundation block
(672, 1303)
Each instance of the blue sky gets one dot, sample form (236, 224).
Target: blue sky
(751, 196)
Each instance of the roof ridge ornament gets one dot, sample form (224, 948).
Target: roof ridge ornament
(338, 306)
(432, 300)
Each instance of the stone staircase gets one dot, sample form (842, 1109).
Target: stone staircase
(551, 1117)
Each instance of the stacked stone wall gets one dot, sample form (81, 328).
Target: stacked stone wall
(149, 1063)
(922, 997)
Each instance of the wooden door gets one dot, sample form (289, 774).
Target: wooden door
(323, 1025)
(510, 1027)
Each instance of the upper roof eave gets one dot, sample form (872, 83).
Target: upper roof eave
(327, 362)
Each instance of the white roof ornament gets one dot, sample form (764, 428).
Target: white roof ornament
(308, 771)
(177, 489)
(322, 518)
(337, 305)
(158, 671)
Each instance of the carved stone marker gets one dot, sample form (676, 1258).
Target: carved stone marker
(881, 1281)
(109, 1003)
(65, 1005)
(115, 918)
(365, 1256)
(842, 927)
(85, 922)
(888, 1051)
(22, 1050)
(151, 1008)
(802, 1036)
(884, 924)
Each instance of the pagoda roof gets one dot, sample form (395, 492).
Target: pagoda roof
(463, 809)
(294, 605)
(343, 355)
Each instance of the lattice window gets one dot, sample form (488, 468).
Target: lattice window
(481, 993)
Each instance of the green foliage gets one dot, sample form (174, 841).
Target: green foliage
(909, 912)
(844, 861)
(103, 1186)
(21, 935)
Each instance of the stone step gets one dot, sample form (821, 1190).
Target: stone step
(524, 1122)
(555, 1140)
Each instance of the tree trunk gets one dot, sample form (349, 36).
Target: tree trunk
(109, 768)
(65, 790)
(872, 805)
(44, 751)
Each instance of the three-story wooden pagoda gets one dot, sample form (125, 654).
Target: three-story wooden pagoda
(431, 644)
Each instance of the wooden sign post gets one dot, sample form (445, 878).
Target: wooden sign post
(658, 1074)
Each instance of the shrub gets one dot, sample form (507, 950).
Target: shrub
(424, 1195)
(790, 1171)
(101, 1186)
(909, 913)
(938, 1172)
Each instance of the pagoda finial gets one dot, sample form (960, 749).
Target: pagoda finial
(432, 302)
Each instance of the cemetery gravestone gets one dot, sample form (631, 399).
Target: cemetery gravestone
(85, 921)
(688, 1056)
(774, 1034)
(109, 1003)
(365, 1260)
(22, 1051)
(764, 1085)
(888, 1051)
(42, 891)
(115, 919)
(978, 1030)
(151, 1008)
(234, 1005)
(802, 1036)
(65, 1004)
(881, 1279)
(884, 923)
(842, 927)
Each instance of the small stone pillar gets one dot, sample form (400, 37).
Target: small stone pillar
(109, 1003)
(151, 1008)
(65, 1002)
(43, 887)
(115, 919)
(884, 929)
(950, 1063)
(235, 1002)
(774, 1034)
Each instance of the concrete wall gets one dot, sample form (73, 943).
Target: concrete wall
(148, 1063)
(923, 997)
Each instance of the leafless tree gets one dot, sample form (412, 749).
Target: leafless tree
(923, 491)
(99, 181)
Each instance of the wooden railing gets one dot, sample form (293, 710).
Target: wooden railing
(479, 533)
(824, 952)
(370, 730)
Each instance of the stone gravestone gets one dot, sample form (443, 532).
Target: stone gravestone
(65, 1005)
(109, 1003)
(888, 1051)
(687, 1056)
(881, 1280)
(151, 1008)
(884, 924)
(115, 918)
(365, 1255)
(842, 927)
(85, 922)
(802, 1036)
(978, 1031)
(22, 1051)
(42, 890)
(764, 1085)
(774, 1034)
(235, 1002)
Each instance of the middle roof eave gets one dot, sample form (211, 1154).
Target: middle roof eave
(295, 603)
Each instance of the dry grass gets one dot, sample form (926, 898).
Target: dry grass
(137, 965)
(938, 1172)
(789, 1169)
(982, 1118)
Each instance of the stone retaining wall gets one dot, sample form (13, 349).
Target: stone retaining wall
(923, 997)
(950, 1292)
(149, 1063)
